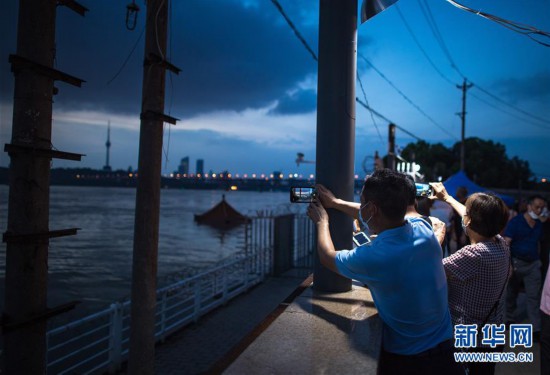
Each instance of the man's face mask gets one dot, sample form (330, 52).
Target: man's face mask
(364, 224)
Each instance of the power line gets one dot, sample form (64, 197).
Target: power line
(406, 97)
(127, 57)
(511, 105)
(366, 106)
(170, 73)
(371, 114)
(372, 111)
(426, 11)
(508, 113)
(517, 27)
(306, 45)
(421, 48)
(296, 32)
(439, 38)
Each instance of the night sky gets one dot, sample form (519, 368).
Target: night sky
(246, 95)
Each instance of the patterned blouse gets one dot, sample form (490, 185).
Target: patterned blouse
(476, 276)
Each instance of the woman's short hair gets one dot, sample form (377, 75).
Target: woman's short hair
(487, 212)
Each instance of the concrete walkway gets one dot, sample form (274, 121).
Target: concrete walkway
(319, 333)
(198, 347)
(280, 327)
(332, 334)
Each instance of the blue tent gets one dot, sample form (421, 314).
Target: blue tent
(460, 179)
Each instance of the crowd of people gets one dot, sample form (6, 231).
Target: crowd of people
(421, 295)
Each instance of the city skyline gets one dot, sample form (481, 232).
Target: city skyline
(246, 95)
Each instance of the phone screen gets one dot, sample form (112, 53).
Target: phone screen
(423, 190)
(360, 238)
(302, 194)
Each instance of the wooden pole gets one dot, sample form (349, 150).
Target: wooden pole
(146, 226)
(29, 195)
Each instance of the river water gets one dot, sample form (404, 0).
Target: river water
(95, 265)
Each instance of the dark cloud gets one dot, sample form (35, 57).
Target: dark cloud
(299, 102)
(535, 87)
(232, 56)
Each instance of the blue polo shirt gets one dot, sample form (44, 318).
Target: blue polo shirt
(404, 271)
(525, 239)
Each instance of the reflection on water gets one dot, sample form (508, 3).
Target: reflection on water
(95, 265)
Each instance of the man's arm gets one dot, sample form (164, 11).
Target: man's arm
(325, 247)
(330, 201)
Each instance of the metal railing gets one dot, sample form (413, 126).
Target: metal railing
(100, 342)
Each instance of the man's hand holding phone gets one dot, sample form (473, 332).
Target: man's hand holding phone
(317, 212)
(326, 196)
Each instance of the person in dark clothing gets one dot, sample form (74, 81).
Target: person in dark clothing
(523, 233)
(545, 241)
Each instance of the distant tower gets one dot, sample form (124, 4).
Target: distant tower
(107, 167)
(200, 167)
(184, 166)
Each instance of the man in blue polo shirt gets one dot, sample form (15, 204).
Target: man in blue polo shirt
(403, 269)
(523, 234)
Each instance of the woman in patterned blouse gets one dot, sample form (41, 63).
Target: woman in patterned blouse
(477, 274)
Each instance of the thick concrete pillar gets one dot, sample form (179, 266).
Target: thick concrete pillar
(336, 123)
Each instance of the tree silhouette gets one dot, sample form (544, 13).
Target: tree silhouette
(486, 163)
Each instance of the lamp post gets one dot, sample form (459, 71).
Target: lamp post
(336, 123)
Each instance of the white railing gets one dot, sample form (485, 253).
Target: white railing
(100, 342)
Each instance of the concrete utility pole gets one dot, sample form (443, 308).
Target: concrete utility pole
(146, 226)
(464, 87)
(107, 166)
(27, 236)
(29, 197)
(336, 123)
(391, 147)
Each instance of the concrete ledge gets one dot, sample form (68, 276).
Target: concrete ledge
(318, 333)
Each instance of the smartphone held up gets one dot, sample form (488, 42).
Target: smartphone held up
(424, 190)
(302, 194)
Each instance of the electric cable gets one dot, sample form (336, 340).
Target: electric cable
(407, 98)
(170, 55)
(371, 114)
(127, 57)
(296, 32)
(420, 46)
(306, 45)
(376, 113)
(156, 30)
(426, 11)
(509, 113)
(517, 27)
(511, 105)
(439, 38)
